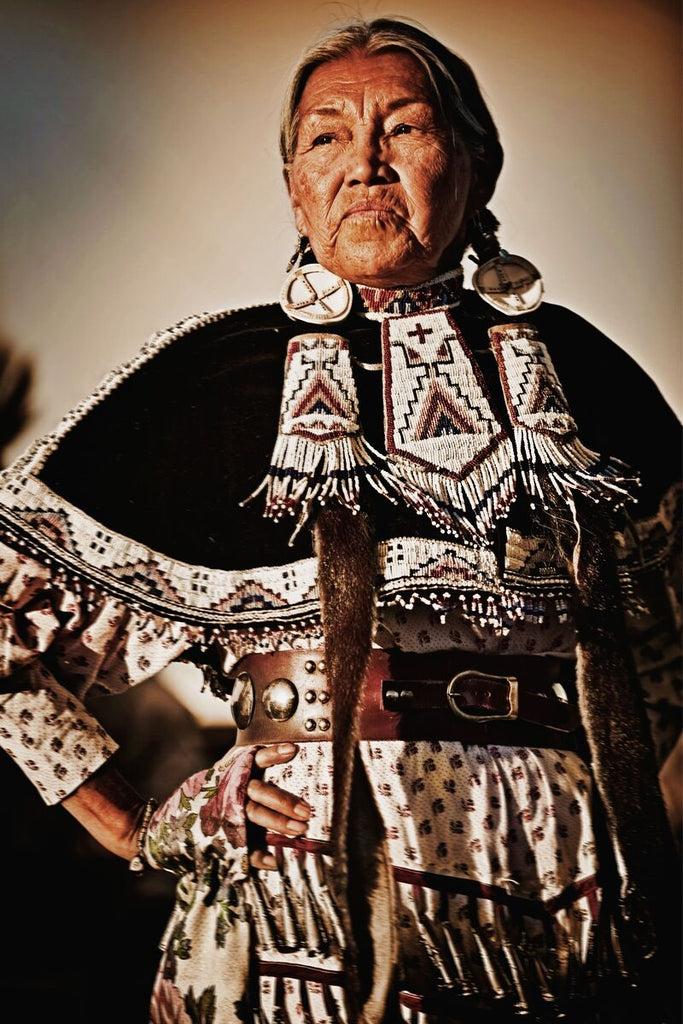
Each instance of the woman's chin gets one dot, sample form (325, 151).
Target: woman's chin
(380, 265)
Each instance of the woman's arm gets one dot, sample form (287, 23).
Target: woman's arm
(111, 810)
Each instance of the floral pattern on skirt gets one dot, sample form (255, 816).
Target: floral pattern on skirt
(494, 863)
(200, 834)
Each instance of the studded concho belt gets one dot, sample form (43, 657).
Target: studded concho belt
(284, 696)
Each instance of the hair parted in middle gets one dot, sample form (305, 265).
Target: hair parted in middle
(456, 89)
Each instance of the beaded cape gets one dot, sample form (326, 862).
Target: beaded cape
(142, 491)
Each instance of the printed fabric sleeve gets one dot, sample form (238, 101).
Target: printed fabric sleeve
(60, 641)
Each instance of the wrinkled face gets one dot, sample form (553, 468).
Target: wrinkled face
(376, 182)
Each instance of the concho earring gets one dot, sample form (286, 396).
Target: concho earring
(509, 283)
(313, 294)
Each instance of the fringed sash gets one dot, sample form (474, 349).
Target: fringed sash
(320, 452)
(447, 453)
(441, 433)
(544, 432)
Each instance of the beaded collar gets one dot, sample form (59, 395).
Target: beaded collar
(447, 451)
(440, 292)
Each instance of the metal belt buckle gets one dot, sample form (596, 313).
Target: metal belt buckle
(453, 691)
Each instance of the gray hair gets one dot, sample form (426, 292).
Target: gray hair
(454, 84)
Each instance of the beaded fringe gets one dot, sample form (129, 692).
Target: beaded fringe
(568, 466)
(302, 473)
(467, 507)
(495, 611)
(448, 456)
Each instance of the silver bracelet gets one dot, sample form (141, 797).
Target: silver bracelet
(139, 861)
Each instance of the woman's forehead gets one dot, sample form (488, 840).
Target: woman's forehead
(392, 78)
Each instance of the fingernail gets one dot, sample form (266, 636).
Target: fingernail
(286, 748)
(302, 810)
(269, 861)
(297, 827)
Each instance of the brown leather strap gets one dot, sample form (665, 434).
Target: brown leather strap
(283, 696)
(479, 696)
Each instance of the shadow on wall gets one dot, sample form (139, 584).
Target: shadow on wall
(80, 933)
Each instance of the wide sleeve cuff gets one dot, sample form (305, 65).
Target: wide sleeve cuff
(50, 735)
(60, 642)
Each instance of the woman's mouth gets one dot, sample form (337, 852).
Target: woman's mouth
(371, 209)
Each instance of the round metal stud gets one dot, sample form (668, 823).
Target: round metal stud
(242, 700)
(321, 666)
(280, 700)
(310, 696)
(309, 724)
(324, 724)
(323, 696)
(309, 666)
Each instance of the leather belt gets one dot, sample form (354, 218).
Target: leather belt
(451, 695)
(481, 697)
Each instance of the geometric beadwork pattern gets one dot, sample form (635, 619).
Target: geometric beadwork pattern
(443, 574)
(444, 291)
(532, 388)
(439, 424)
(436, 411)
(319, 401)
(85, 549)
(549, 453)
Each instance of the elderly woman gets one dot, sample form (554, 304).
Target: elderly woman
(441, 640)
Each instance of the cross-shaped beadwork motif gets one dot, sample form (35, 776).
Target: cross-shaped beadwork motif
(420, 333)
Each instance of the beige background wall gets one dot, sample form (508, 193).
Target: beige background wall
(141, 181)
(140, 178)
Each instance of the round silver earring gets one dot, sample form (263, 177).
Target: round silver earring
(506, 281)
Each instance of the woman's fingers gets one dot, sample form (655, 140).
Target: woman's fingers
(276, 799)
(262, 860)
(276, 753)
(276, 810)
(272, 808)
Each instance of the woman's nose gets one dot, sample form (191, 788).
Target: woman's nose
(367, 162)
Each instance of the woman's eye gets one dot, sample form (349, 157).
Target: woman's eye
(322, 140)
(402, 129)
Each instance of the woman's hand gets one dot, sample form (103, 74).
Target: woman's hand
(272, 808)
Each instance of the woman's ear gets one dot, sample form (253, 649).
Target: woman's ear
(299, 218)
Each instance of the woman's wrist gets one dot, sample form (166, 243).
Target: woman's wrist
(110, 809)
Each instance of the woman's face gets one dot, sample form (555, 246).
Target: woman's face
(376, 182)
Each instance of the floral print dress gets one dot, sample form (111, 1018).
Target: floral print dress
(494, 863)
